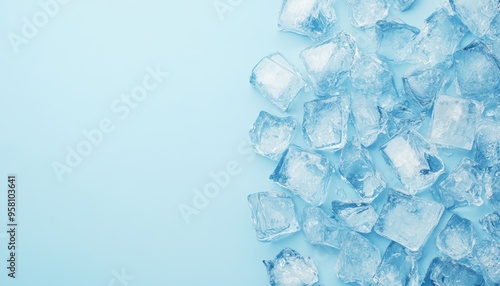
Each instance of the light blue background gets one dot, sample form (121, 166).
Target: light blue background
(118, 210)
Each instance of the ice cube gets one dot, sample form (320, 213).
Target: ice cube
(365, 13)
(402, 117)
(312, 18)
(415, 162)
(487, 143)
(273, 215)
(271, 135)
(399, 267)
(325, 122)
(358, 216)
(476, 15)
(357, 168)
(277, 80)
(462, 187)
(372, 76)
(423, 85)
(439, 38)
(492, 186)
(368, 117)
(320, 229)
(305, 173)
(358, 259)
(457, 239)
(402, 5)
(491, 224)
(477, 71)
(408, 220)
(487, 253)
(451, 273)
(289, 268)
(395, 40)
(328, 63)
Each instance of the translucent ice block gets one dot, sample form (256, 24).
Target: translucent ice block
(477, 15)
(359, 217)
(365, 13)
(399, 267)
(423, 85)
(491, 224)
(368, 117)
(487, 253)
(289, 268)
(487, 143)
(395, 40)
(320, 229)
(403, 116)
(402, 5)
(457, 239)
(451, 273)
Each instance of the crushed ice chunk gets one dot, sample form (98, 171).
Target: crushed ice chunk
(477, 15)
(271, 135)
(358, 216)
(365, 13)
(487, 253)
(491, 224)
(273, 215)
(487, 143)
(451, 273)
(289, 268)
(457, 239)
(320, 229)
(399, 267)
(305, 173)
(277, 80)
(395, 40)
(423, 85)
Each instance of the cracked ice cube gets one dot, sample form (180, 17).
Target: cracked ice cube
(487, 143)
(395, 40)
(277, 80)
(462, 187)
(312, 18)
(457, 239)
(368, 118)
(271, 135)
(325, 122)
(289, 268)
(487, 253)
(399, 267)
(491, 224)
(328, 63)
(477, 71)
(402, 5)
(305, 173)
(365, 13)
(359, 217)
(415, 162)
(402, 117)
(451, 273)
(273, 215)
(476, 15)
(358, 259)
(320, 229)
(423, 85)
(357, 168)
(408, 220)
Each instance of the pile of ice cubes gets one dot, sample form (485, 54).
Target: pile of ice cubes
(447, 101)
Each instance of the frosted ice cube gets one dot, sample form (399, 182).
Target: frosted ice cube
(273, 215)
(424, 85)
(320, 229)
(487, 143)
(359, 216)
(415, 162)
(487, 253)
(365, 13)
(271, 135)
(491, 224)
(451, 273)
(457, 239)
(408, 220)
(312, 18)
(395, 40)
(289, 268)
(399, 267)
(277, 80)
(476, 15)
(368, 117)
(305, 173)
(328, 63)
(325, 122)
(402, 5)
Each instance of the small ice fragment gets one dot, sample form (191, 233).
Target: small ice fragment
(487, 143)
(305, 173)
(312, 18)
(423, 85)
(457, 239)
(399, 267)
(273, 215)
(320, 229)
(491, 224)
(289, 268)
(451, 273)
(415, 162)
(365, 13)
(271, 135)
(408, 220)
(487, 253)
(359, 217)
(402, 5)
(277, 80)
(325, 122)
(357, 168)
(402, 117)
(395, 40)
(477, 15)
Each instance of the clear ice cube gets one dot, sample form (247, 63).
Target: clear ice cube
(305, 173)
(271, 135)
(491, 224)
(487, 143)
(358, 216)
(402, 5)
(487, 253)
(320, 229)
(423, 85)
(415, 161)
(368, 117)
(273, 215)
(408, 220)
(325, 122)
(395, 40)
(451, 273)
(457, 239)
(476, 15)
(289, 268)
(277, 80)
(492, 186)
(372, 76)
(403, 116)
(365, 13)
(399, 267)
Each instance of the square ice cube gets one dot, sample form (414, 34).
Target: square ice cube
(289, 268)
(273, 215)
(423, 85)
(487, 143)
(271, 135)
(399, 267)
(457, 239)
(462, 187)
(372, 76)
(312, 18)
(325, 122)
(451, 273)
(402, 5)
(491, 224)
(328, 63)
(454, 120)
(408, 220)
(358, 216)
(487, 253)
(415, 162)
(368, 117)
(357, 168)
(277, 80)
(365, 13)
(320, 229)
(477, 15)
(395, 40)
(305, 173)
